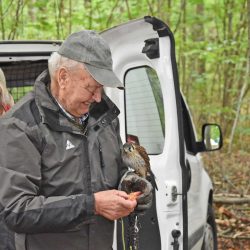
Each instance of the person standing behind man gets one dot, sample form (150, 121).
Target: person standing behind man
(6, 102)
(6, 99)
(61, 161)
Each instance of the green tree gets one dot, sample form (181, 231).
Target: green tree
(211, 42)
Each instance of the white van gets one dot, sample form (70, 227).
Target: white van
(154, 114)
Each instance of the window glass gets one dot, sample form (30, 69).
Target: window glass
(21, 76)
(145, 121)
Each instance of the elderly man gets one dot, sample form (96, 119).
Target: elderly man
(60, 159)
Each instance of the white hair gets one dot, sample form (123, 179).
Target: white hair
(56, 61)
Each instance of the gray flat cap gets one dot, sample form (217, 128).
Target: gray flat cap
(88, 47)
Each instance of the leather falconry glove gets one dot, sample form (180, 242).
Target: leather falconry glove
(131, 182)
(135, 157)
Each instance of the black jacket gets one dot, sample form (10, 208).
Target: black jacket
(49, 171)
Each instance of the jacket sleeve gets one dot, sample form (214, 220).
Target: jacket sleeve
(123, 167)
(26, 210)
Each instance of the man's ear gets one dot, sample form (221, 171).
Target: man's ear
(62, 77)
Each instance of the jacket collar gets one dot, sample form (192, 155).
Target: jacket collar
(100, 114)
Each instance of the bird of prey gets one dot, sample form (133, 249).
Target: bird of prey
(136, 157)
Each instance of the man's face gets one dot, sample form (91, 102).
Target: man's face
(77, 90)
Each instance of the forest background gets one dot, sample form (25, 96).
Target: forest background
(213, 57)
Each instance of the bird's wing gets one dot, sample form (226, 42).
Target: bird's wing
(143, 153)
(151, 178)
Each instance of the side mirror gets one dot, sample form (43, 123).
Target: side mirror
(211, 138)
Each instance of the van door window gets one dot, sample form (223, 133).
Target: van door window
(189, 134)
(145, 120)
(21, 76)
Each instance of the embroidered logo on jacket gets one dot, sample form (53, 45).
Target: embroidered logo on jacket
(69, 145)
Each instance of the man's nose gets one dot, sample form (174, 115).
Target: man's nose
(97, 95)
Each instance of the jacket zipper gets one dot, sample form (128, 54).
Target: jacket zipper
(101, 156)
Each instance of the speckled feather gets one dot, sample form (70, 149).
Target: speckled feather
(136, 157)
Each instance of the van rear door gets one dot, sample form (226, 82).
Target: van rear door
(144, 59)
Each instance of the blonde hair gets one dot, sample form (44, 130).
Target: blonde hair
(5, 97)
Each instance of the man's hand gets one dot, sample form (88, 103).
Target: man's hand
(113, 204)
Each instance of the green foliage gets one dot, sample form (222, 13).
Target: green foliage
(19, 92)
(211, 44)
(215, 133)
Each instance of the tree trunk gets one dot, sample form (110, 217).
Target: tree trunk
(182, 46)
(19, 8)
(89, 12)
(31, 11)
(245, 86)
(200, 63)
(2, 20)
(128, 10)
(70, 17)
(111, 14)
(229, 67)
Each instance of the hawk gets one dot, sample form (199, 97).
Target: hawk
(136, 157)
